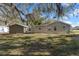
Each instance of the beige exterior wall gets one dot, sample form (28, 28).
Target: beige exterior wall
(55, 28)
(60, 28)
(39, 29)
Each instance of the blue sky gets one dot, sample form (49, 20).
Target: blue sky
(73, 17)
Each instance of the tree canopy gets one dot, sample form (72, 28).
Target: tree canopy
(34, 14)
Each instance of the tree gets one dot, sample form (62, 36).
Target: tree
(54, 8)
(34, 19)
(57, 9)
(14, 13)
(11, 13)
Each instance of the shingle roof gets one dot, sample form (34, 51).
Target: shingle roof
(18, 24)
(60, 22)
(46, 24)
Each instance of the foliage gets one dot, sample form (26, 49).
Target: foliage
(36, 21)
(19, 12)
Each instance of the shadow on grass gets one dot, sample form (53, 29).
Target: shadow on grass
(40, 47)
(26, 37)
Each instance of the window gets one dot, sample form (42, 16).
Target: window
(39, 28)
(63, 26)
(55, 29)
(29, 29)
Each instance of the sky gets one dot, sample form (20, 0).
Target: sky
(71, 18)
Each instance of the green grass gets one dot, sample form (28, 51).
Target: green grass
(38, 45)
(74, 31)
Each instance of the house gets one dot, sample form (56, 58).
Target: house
(56, 27)
(17, 28)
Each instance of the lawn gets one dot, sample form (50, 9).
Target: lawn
(74, 31)
(38, 44)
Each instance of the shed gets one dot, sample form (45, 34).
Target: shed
(17, 28)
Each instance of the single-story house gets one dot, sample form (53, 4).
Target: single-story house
(56, 27)
(17, 28)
